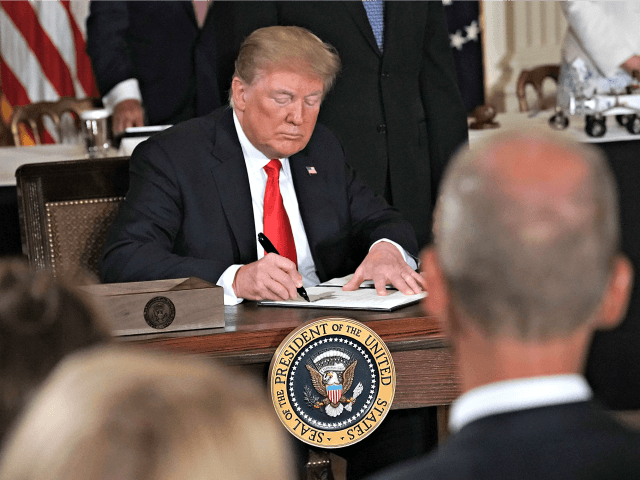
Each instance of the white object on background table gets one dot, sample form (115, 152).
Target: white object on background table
(133, 136)
(128, 144)
(615, 132)
(95, 132)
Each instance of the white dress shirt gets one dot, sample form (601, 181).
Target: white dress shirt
(255, 162)
(125, 90)
(519, 394)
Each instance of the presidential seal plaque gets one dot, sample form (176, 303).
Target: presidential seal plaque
(332, 382)
(159, 312)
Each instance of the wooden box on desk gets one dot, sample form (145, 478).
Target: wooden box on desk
(159, 305)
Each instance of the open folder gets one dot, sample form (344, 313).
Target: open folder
(330, 295)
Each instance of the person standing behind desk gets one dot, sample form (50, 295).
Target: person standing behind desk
(153, 59)
(396, 107)
(525, 267)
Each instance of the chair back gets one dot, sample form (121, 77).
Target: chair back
(32, 115)
(6, 139)
(535, 77)
(66, 210)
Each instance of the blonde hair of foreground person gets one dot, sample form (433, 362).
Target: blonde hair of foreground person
(111, 413)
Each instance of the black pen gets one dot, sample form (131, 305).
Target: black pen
(269, 248)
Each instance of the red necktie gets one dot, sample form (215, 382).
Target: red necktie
(276, 221)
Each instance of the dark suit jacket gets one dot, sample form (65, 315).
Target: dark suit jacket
(188, 209)
(570, 441)
(159, 44)
(398, 113)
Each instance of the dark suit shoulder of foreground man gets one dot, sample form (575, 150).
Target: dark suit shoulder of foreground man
(525, 267)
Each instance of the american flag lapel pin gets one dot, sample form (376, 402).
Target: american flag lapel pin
(311, 170)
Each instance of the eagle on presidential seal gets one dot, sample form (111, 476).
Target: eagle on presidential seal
(332, 373)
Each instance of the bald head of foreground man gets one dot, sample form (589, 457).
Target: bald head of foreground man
(525, 266)
(526, 263)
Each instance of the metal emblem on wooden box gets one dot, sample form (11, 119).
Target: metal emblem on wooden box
(159, 312)
(332, 382)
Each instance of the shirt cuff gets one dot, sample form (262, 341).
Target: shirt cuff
(406, 255)
(125, 90)
(226, 281)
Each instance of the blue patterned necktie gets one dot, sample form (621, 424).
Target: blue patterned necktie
(375, 13)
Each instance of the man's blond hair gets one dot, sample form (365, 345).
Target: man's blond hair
(293, 48)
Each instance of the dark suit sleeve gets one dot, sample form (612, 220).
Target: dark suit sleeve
(107, 26)
(442, 102)
(140, 243)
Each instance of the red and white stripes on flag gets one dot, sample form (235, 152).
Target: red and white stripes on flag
(335, 393)
(42, 52)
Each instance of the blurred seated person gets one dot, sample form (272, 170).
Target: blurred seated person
(41, 321)
(153, 59)
(601, 48)
(201, 191)
(526, 265)
(112, 413)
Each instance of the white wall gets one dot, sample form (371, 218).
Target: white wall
(518, 34)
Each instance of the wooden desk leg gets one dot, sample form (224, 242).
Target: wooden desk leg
(324, 465)
(443, 422)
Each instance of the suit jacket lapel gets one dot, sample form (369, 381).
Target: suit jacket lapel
(359, 15)
(187, 5)
(230, 175)
(311, 194)
(392, 23)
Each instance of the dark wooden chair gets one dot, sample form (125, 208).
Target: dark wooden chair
(6, 139)
(66, 209)
(535, 77)
(32, 116)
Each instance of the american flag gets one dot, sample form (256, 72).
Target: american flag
(463, 20)
(42, 53)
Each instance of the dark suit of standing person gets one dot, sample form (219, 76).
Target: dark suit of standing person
(395, 108)
(152, 58)
(525, 267)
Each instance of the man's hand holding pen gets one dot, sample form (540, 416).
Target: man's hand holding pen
(271, 278)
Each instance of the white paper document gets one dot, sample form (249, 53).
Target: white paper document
(342, 281)
(361, 299)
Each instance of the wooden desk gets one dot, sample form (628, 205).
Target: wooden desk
(426, 373)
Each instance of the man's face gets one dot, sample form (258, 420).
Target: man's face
(278, 111)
